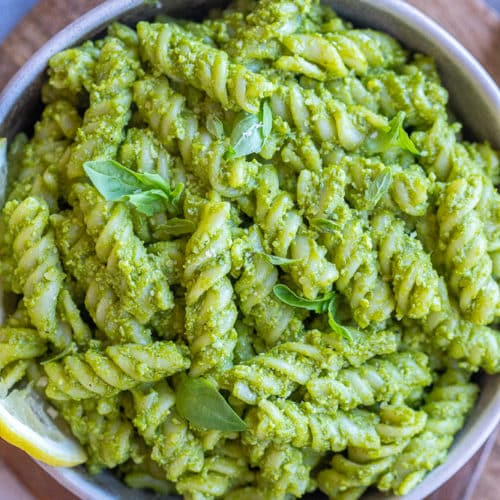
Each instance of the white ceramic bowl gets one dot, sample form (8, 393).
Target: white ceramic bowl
(475, 99)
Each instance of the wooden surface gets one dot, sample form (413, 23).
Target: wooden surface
(470, 21)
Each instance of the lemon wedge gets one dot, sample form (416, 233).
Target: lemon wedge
(25, 422)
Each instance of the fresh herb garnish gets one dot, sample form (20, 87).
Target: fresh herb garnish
(250, 133)
(325, 225)
(199, 402)
(215, 126)
(378, 187)
(278, 261)
(333, 323)
(177, 227)
(393, 135)
(149, 193)
(327, 303)
(289, 297)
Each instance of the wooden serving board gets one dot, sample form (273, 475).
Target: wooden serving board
(470, 21)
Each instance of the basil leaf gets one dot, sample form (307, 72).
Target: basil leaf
(149, 193)
(287, 296)
(215, 127)
(325, 225)
(147, 202)
(111, 179)
(199, 402)
(394, 135)
(250, 133)
(267, 120)
(378, 187)
(279, 261)
(332, 321)
(177, 227)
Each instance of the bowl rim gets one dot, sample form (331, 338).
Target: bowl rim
(101, 15)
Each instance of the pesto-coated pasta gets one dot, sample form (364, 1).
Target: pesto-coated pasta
(104, 373)
(464, 245)
(210, 309)
(39, 275)
(250, 257)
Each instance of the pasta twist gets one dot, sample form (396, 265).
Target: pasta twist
(177, 55)
(283, 421)
(224, 470)
(210, 308)
(446, 406)
(78, 255)
(404, 261)
(408, 189)
(175, 447)
(285, 367)
(152, 406)
(39, 275)
(419, 96)
(340, 51)
(106, 372)
(285, 235)
(328, 120)
(179, 127)
(19, 344)
(285, 470)
(379, 379)
(71, 73)
(136, 278)
(273, 320)
(472, 345)
(464, 245)
(109, 438)
(170, 256)
(267, 22)
(177, 450)
(71, 319)
(109, 111)
(349, 476)
(489, 211)
(349, 247)
(447, 159)
(37, 162)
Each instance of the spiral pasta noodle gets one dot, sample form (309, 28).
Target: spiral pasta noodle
(379, 379)
(472, 345)
(108, 437)
(203, 67)
(210, 309)
(38, 268)
(284, 236)
(282, 369)
(272, 320)
(104, 306)
(446, 407)
(468, 263)
(139, 284)
(349, 476)
(404, 261)
(221, 472)
(109, 109)
(19, 344)
(104, 373)
(339, 52)
(350, 247)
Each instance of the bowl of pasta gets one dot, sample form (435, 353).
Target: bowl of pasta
(249, 251)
